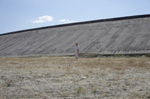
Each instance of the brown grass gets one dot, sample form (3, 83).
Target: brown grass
(117, 63)
(82, 77)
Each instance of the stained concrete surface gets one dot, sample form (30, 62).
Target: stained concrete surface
(125, 35)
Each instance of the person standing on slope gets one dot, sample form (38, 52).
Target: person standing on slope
(76, 51)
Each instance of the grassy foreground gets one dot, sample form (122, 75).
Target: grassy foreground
(65, 77)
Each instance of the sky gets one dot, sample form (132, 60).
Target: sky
(16, 15)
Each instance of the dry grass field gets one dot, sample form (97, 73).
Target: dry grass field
(67, 78)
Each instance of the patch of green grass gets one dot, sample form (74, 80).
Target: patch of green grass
(79, 90)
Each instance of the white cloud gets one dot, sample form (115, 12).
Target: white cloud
(43, 19)
(65, 21)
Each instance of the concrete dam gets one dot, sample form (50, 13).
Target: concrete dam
(124, 35)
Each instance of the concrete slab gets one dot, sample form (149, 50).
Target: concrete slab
(117, 35)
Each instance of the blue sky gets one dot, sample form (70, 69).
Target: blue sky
(26, 14)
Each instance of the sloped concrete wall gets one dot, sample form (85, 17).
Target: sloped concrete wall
(129, 35)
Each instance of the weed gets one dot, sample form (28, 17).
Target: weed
(79, 90)
(63, 94)
(94, 90)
